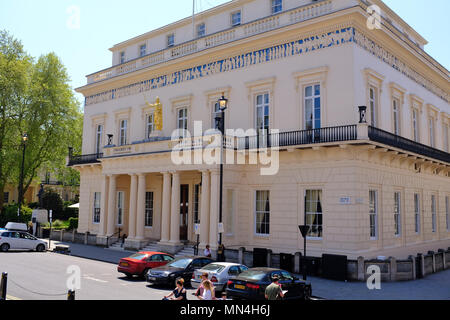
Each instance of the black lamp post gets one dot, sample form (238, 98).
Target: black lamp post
(220, 122)
(24, 145)
(304, 231)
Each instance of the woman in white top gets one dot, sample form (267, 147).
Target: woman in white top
(207, 251)
(208, 291)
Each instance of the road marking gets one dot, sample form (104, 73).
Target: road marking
(94, 279)
(8, 297)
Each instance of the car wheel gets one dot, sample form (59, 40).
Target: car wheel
(144, 273)
(40, 248)
(307, 294)
(129, 275)
(4, 247)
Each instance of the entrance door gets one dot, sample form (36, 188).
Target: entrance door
(184, 206)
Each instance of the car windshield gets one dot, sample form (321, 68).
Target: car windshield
(253, 275)
(180, 263)
(213, 267)
(138, 256)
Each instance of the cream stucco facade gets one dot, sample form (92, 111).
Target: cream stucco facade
(367, 188)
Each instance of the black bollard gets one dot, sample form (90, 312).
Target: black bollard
(3, 286)
(71, 295)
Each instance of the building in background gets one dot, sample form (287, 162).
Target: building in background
(67, 191)
(367, 184)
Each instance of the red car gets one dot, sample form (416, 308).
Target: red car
(139, 263)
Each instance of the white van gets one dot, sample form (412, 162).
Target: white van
(14, 226)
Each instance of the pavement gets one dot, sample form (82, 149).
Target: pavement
(92, 252)
(434, 287)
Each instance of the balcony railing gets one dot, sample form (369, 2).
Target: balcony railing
(84, 159)
(301, 137)
(360, 133)
(282, 19)
(393, 140)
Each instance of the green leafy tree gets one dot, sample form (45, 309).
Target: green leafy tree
(52, 201)
(38, 100)
(15, 75)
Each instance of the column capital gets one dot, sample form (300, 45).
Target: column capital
(141, 174)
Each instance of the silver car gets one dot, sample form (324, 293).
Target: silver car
(218, 273)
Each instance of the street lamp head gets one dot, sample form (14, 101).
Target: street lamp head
(110, 137)
(24, 137)
(223, 103)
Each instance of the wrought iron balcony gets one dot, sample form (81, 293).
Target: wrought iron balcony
(396, 141)
(84, 159)
(360, 134)
(300, 137)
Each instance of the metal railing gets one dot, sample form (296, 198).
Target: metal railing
(84, 159)
(396, 141)
(299, 137)
(112, 237)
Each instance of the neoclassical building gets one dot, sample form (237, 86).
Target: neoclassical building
(366, 183)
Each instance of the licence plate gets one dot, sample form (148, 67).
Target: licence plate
(239, 286)
(124, 264)
(152, 278)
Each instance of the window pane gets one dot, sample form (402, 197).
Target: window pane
(259, 99)
(308, 91)
(317, 90)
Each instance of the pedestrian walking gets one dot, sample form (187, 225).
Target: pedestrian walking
(274, 291)
(179, 293)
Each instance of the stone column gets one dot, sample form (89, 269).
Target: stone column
(140, 217)
(103, 205)
(204, 209)
(175, 210)
(165, 212)
(214, 210)
(133, 203)
(111, 205)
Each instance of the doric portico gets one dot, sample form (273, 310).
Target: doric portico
(152, 205)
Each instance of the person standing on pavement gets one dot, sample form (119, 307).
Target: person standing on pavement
(274, 291)
(207, 251)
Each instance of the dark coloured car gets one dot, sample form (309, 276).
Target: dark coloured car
(251, 285)
(182, 267)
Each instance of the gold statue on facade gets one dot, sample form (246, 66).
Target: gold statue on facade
(157, 114)
(158, 117)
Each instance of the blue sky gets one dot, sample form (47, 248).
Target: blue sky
(42, 26)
